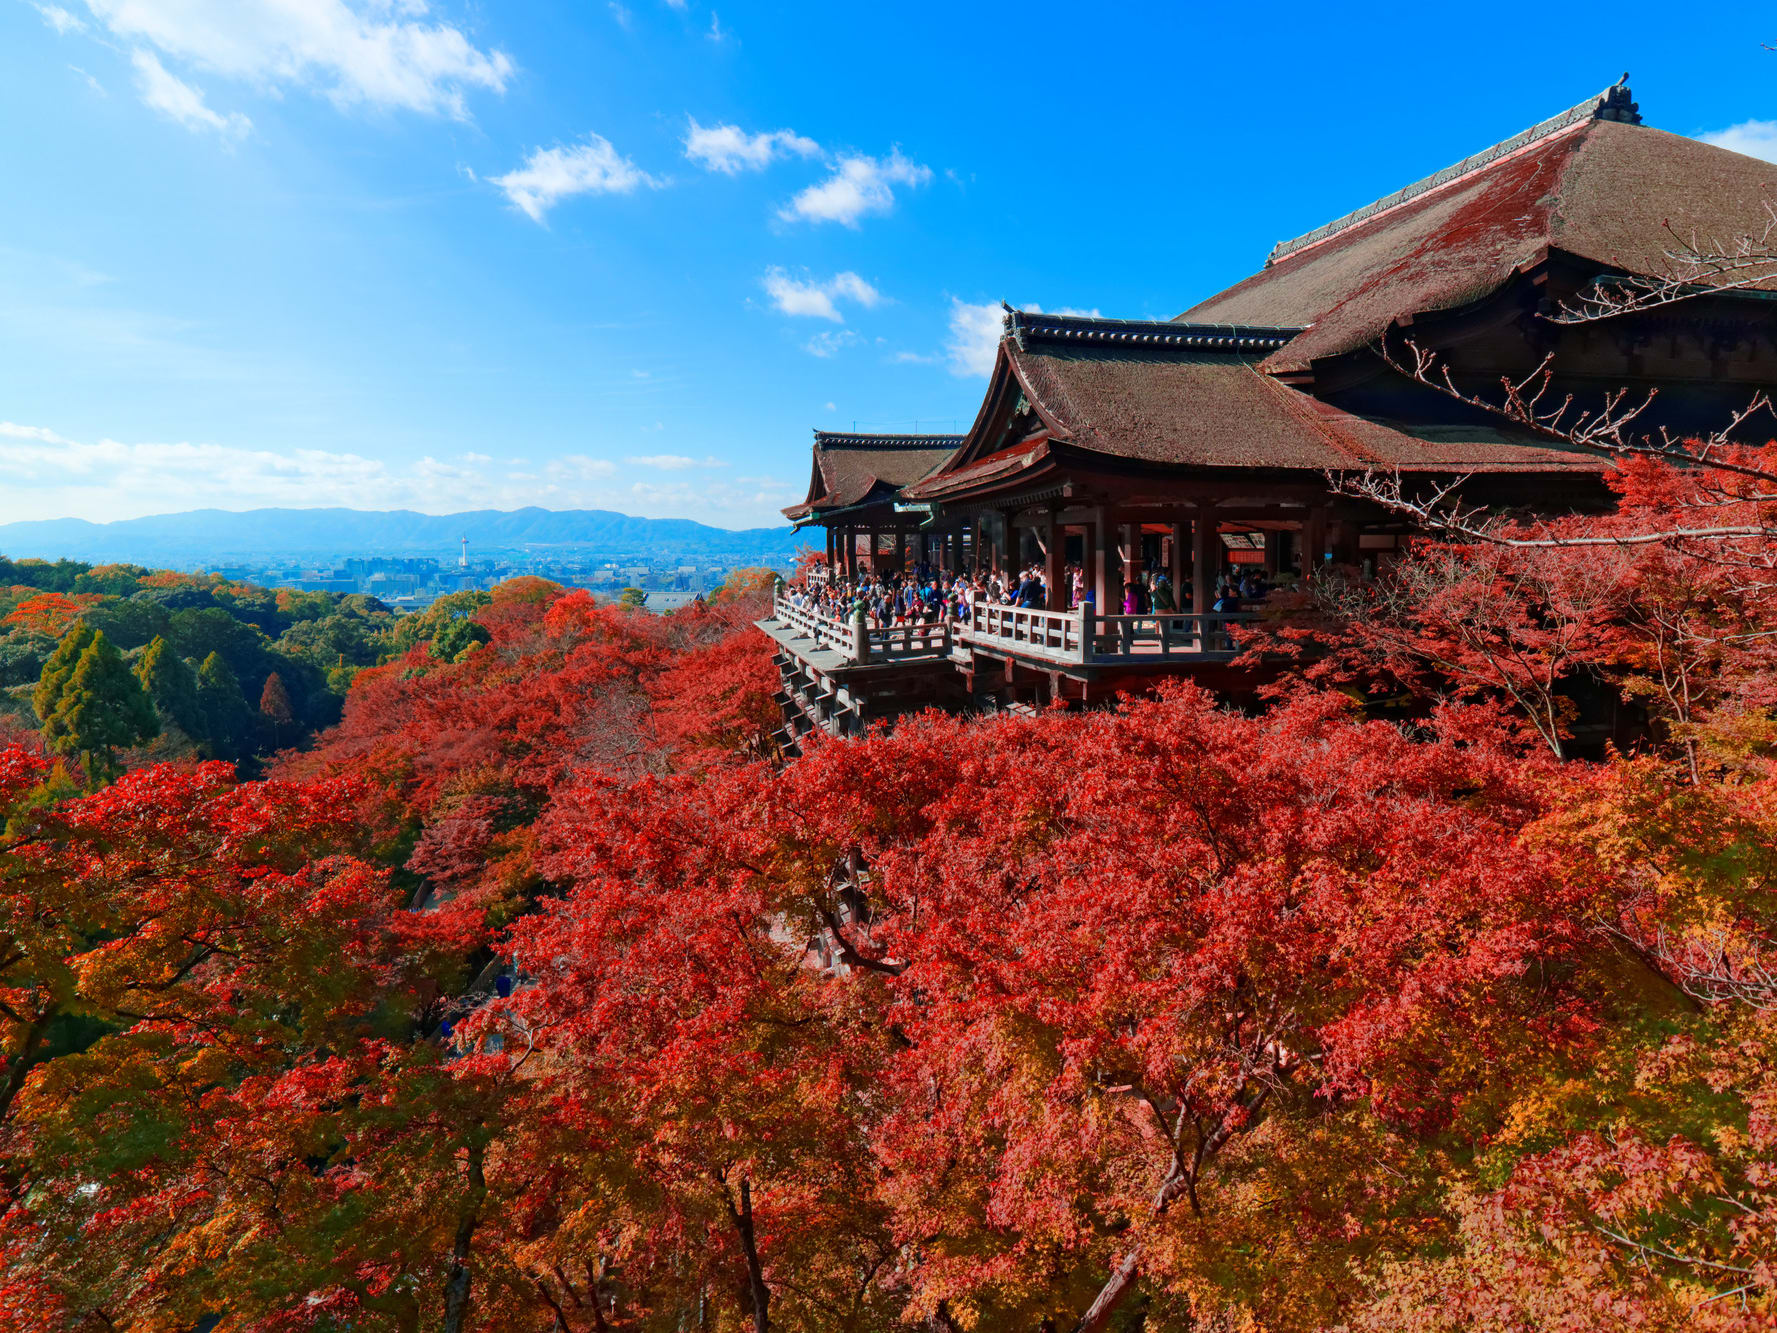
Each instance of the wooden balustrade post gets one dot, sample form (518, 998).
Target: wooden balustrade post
(860, 636)
(1085, 614)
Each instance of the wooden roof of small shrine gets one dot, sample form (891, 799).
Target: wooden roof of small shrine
(855, 470)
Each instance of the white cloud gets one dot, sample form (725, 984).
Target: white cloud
(858, 186)
(975, 334)
(793, 296)
(378, 53)
(178, 100)
(665, 462)
(832, 407)
(625, 19)
(578, 467)
(44, 473)
(91, 82)
(1755, 138)
(60, 19)
(550, 175)
(716, 33)
(730, 149)
(828, 342)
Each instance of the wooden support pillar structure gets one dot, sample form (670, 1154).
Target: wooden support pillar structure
(1273, 552)
(1314, 540)
(1206, 557)
(1099, 566)
(1176, 566)
(1055, 563)
(875, 565)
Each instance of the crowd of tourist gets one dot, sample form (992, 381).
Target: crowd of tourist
(928, 595)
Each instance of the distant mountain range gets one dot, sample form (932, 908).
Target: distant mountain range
(218, 536)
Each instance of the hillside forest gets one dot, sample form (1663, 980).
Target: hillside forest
(503, 977)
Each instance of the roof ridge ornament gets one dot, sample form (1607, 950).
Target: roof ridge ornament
(1615, 103)
(1025, 327)
(843, 439)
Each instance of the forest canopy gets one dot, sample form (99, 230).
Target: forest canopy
(538, 991)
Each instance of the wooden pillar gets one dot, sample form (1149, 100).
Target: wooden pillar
(1206, 558)
(875, 565)
(1099, 567)
(1177, 564)
(1131, 555)
(1314, 540)
(1055, 566)
(832, 548)
(1273, 552)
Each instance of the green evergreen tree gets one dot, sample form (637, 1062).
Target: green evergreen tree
(458, 638)
(171, 684)
(58, 669)
(102, 709)
(227, 721)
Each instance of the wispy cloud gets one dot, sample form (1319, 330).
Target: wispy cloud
(1755, 138)
(730, 149)
(807, 296)
(672, 462)
(859, 186)
(975, 332)
(624, 18)
(44, 473)
(829, 342)
(178, 100)
(60, 19)
(550, 175)
(380, 53)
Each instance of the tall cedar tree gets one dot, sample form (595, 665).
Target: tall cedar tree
(101, 709)
(227, 720)
(172, 685)
(58, 669)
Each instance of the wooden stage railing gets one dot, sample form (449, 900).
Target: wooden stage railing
(1076, 638)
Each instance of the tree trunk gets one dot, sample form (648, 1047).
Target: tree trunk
(757, 1291)
(21, 1061)
(1110, 1296)
(456, 1285)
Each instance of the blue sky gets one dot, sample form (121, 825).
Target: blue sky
(446, 255)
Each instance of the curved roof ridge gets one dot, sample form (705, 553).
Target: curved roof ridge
(841, 439)
(1025, 327)
(1614, 103)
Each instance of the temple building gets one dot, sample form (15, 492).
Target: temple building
(1216, 439)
